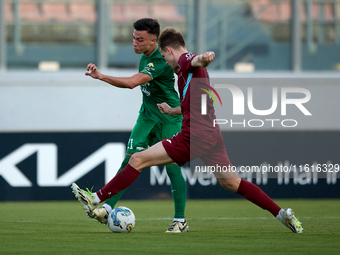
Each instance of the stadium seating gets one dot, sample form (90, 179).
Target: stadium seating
(83, 12)
(268, 11)
(56, 12)
(28, 12)
(117, 13)
(134, 12)
(8, 13)
(72, 12)
(167, 13)
(264, 10)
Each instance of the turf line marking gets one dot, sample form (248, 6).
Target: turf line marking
(241, 218)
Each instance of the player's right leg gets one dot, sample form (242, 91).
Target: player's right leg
(162, 153)
(178, 183)
(179, 195)
(155, 155)
(139, 140)
(85, 197)
(101, 213)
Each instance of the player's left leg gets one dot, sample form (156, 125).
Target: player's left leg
(230, 181)
(256, 195)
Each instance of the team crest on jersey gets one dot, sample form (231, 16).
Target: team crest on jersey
(150, 66)
(189, 56)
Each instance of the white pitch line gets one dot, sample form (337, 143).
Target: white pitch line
(241, 218)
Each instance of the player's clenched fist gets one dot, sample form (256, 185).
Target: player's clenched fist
(208, 56)
(164, 108)
(92, 71)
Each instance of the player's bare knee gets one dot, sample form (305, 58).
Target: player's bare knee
(136, 161)
(230, 184)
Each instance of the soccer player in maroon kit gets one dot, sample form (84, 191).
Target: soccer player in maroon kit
(198, 138)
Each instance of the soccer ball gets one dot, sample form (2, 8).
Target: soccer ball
(121, 220)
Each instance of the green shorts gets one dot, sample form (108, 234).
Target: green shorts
(146, 132)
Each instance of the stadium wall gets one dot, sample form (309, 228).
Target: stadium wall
(56, 128)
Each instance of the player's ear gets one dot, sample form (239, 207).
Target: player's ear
(154, 39)
(168, 49)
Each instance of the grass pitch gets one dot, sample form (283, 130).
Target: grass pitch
(216, 227)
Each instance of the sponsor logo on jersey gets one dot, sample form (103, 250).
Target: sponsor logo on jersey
(144, 89)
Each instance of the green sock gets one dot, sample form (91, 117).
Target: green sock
(112, 201)
(178, 189)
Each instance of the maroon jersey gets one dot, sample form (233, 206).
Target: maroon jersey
(198, 138)
(191, 81)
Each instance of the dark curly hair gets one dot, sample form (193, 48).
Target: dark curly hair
(147, 24)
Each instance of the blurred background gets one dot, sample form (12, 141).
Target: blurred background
(264, 34)
(58, 126)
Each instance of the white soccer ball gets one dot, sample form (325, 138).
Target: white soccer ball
(121, 220)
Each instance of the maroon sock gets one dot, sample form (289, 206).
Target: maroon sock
(118, 183)
(254, 194)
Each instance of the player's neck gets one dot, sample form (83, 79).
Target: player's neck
(182, 51)
(179, 52)
(147, 53)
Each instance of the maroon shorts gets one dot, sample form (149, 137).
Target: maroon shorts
(205, 144)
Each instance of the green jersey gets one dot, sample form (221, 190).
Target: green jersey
(160, 89)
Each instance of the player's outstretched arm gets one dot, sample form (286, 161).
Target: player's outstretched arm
(166, 109)
(120, 82)
(203, 60)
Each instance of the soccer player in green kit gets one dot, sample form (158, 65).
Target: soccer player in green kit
(156, 80)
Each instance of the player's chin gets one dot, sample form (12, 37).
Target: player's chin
(138, 51)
